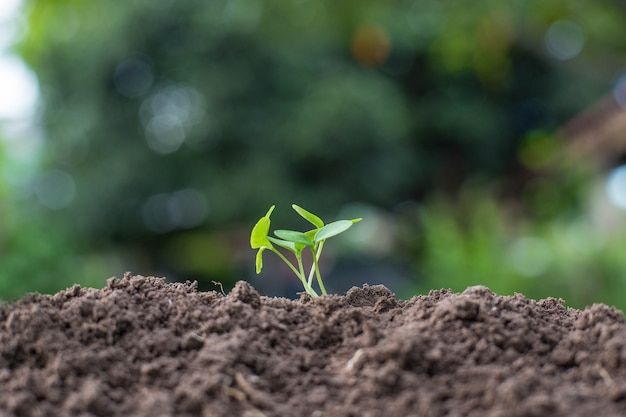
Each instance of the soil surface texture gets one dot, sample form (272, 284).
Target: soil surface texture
(145, 347)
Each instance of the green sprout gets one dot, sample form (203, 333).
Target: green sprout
(296, 243)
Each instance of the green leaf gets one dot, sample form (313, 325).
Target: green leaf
(311, 233)
(332, 229)
(308, 216)
(293, 236)
(259, 260)
(258, 237)
(293, 247)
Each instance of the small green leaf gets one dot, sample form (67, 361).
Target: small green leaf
(293, 247)
(259, 260)
(308, 216)
(332, 229)
(258, 237)
(293, 236)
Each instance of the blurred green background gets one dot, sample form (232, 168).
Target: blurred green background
(471, 138)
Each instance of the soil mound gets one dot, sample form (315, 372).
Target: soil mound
(145, 347)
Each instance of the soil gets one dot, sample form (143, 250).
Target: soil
(145, 347)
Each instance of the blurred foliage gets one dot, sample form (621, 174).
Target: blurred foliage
(36, 252)
(170, 126)
(569, 257)
(474, 240)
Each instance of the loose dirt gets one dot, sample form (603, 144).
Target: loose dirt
(145, 347)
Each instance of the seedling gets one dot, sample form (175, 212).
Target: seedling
(296, 243)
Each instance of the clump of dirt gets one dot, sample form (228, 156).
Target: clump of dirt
(145, 347)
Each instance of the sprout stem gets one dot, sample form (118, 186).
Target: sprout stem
(300, 274)
(315, 268)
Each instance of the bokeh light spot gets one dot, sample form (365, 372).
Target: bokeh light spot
(619, 91)
(168, 116)
(564, 39)
(165, 133)
(8, 8)
(616, 187)
(19, 90)
(371, 45)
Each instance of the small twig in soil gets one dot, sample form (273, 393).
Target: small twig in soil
(219, 284)
(354, 359)
(606, 377)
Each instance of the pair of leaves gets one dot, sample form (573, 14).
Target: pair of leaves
(296, 241)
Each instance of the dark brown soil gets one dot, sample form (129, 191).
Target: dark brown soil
(143, 347)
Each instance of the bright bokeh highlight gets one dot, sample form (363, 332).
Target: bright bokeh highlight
(616, 187)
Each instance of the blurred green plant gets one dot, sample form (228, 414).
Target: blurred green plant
(38, 254)
(476, 239)
(295, 242)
